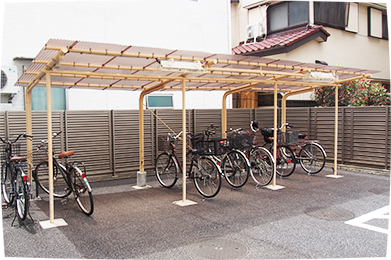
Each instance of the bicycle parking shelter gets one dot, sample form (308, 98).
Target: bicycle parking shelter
(79, 64)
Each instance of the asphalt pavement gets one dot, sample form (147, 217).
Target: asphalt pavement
(311, 217)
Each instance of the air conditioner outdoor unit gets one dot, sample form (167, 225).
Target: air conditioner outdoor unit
(9, 77)
(254, 30)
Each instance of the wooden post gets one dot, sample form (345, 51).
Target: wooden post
(336, 131)
(29, 131)
(184, 141)
(224, 107)
(141, 173)
(275, 133)
(50, 146)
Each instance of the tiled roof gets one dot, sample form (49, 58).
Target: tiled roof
(283, 39)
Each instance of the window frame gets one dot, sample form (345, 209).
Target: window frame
(318, 20)
(288, 27)
(385, 26)
(147, 101)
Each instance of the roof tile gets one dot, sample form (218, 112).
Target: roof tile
(285, 38)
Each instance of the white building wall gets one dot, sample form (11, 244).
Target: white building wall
(197, 25)
(342, 48)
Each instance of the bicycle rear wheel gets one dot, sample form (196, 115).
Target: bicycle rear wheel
(285, 161)
(22, 196)
(262, 165)
(235, 168)
(60, 186)
(312, 158)
(7, 184)
(83, 195)
(166, 170)
(207, 177)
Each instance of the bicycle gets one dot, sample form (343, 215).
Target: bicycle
(69, 177)
(235, 166)
(204, 171)
(261, 160)
(285, 159)
(14, 182)
(311, 155)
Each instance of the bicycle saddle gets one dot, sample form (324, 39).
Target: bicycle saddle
(65, 154)
(16, 158)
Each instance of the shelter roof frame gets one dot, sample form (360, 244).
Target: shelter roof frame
(78, 64)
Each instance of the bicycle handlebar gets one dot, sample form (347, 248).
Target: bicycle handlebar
(211, 130)
(175, 136)
(19, 136)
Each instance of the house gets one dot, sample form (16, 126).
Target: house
(348, 34)
(195, 25)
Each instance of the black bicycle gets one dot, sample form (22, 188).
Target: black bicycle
(14, 182)
(203, 169)
(285, 159)
(69, 177)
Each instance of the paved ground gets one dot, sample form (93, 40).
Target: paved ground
(307, 219)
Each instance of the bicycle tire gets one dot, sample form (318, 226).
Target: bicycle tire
(7, 186)
(60, 183)
(166, 170)
(235, 168)
(206, 177)
(312, 158)
(22, 196)
(82, 194)
(262, 166)
(285, 161)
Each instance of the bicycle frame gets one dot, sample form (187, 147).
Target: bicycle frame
(69, 175)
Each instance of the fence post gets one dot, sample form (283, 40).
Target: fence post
(343, 135)
(386, 135)
(112, 142)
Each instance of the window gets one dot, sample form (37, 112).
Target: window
(287, 14)
(330, 14)
(38, 98)
(385, 27)
(352, 17)
(375, 22)
(160, 101)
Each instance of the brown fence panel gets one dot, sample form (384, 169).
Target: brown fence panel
(239, 118)
(126, 141)
(369, 132)
(205, 117)
(108, 141)
(89, 135)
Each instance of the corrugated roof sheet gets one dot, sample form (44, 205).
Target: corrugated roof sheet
(113, 66)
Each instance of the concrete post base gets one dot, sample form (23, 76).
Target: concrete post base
(141, 179)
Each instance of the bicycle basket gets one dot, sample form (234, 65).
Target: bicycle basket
(241, 139)
(267, 133)
(212, 146)
(15, 150)
(41, 155)
(165, 141)
(290, 137)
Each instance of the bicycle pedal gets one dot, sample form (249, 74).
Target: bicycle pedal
(4, 205)
(64, 201)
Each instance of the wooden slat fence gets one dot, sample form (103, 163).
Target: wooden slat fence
(108, 141)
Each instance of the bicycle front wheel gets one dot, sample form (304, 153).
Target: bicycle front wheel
(83, 194)
(60, 186)
(22, 196)
(235, 168)
(262, 166)
(285, 161)
(207, 177)
(312, 158)
(166, 170)
(7, 184)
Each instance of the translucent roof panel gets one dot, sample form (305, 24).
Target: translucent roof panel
(78, 64)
